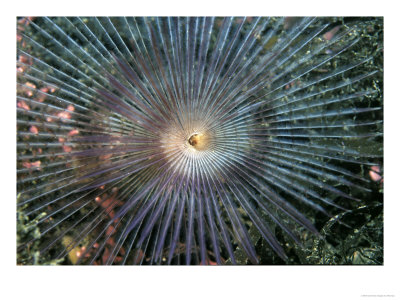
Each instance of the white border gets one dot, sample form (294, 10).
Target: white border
(260, 282)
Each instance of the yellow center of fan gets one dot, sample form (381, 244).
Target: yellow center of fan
(198, 141)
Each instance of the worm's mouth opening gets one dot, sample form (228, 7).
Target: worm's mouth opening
(198, 141)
